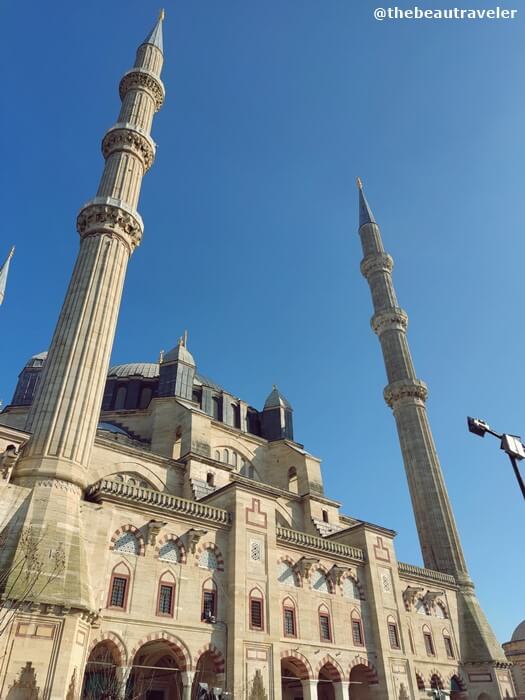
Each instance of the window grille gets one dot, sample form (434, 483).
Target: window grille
(128, 543)
(256, 614)
(393, 635)
(165, 599)
(429, 644)
(357, 633)
(289, 622)
(324, 627)
(118, 591)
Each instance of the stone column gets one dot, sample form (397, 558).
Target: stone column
(341, 690)
(309, 689)
(187, 684)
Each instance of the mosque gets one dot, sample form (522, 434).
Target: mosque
(162, 539)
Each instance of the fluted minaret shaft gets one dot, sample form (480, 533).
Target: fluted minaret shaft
(65, 413)
(406, 395)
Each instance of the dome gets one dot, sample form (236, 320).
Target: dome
(276, 399)
(147, 370)
(519, 632)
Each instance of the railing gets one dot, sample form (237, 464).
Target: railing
(301, 539)
(411, 570)
(137, 494)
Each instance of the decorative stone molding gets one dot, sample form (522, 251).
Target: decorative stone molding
(142, 79)
(412, 390)
(193, 537)
(172, 538)
(297, 576)
(218, 554)
(113, 639)
(378, 262)
(135, 531)
(388, 320)
(181, 653)
(429, 574)
(8, 459)
(333, 669)
(410, 595)
(112, 217)
(305, 564)
(59, 484)
(335, 575)
(126, 138)
(362, 661)
(154, 528)
(429, 599)
(353, 577)
(300, 663)
(305, 541)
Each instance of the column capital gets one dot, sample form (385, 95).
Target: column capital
(377, 262)
(406, 390)
(389, 319)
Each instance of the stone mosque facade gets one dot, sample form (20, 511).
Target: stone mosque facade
(159, 535)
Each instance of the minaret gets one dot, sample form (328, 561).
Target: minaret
(65, 413)
(406, 396)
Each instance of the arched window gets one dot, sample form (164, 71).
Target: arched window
(325, 625)
(350, 589)
(226, 456)
(319, 582)
(358, 637)
(289, 618)
(209, 600)
(120, 401)
(166, 595)
(420, 607)
(293, 485)
(286, 574)
(256, 609)
(170, 552)
(208, 560)
(119, 585)
(393, 633)
(440, 611)
(325, 515)
(218, 455)
(436, 683)
(448, 644)
(420, 681)
(234, 459)
(145, 397)
(216, 408)
(210, 479)
(127, 542)
(236, 415)
(429, 642)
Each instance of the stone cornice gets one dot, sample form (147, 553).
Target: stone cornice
(427, 576)
(7, 432)
(138, 454)
(327, 547)
(194, 511)
(366, 525)
(143, 79)
(113, 217)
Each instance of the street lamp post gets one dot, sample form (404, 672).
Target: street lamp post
(511, 444)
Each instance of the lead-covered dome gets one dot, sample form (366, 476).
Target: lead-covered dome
(147, 370)
(519, 633)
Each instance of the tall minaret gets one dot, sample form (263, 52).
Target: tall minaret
(65, 413)
(406, 396)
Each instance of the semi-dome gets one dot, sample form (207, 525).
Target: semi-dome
(519, 633)
(147, 370)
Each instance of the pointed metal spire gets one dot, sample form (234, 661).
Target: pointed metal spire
(155, 36)
(365, 213)
(3, 274)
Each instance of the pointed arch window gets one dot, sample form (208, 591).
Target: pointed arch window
(356, 624)
(286, 574)
(393, 633)
(119, 585)
(166, 595)
(289, 618)
(351, 589)
(448, 644)
(208, 560)
(325, 625)
(420, 607)
(170, 552)
(256, 608)
(209, 600)
(429, 642)
(441, 612)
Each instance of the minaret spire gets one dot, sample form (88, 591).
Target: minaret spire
(406, 396)
(4, 270)
(65, 413)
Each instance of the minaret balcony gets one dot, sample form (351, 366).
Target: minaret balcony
(412, 391)
(130, 138)
(106, 215)
(143, 79)
(377, 262)
(394, 319)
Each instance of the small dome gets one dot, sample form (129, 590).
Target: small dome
(112, 428)
(519, 632)
(179, 353)
(276, 399)
(37, 360)
(147, 370)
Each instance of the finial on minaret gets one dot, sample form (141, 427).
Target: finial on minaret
(161, 357)
(155, 36)
(162, 14)
(365, 213)
(185, 339)
(3, 274)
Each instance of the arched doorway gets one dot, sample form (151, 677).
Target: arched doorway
(156, 672)
(103, 679)
(359, 683)
(293, 671)
(457, 688)
(328, 675)
(209, 670)
(435, 682)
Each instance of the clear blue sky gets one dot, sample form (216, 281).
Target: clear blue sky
(251, 241)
